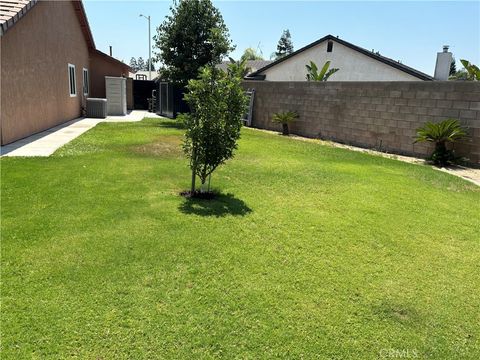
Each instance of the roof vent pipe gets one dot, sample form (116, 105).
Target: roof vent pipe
(110, 50)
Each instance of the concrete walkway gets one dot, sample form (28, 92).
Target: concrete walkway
(48, 141)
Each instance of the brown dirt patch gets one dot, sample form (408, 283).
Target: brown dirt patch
(166, 146)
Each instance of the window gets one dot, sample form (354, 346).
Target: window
(86, 84)
(72, 82)
(330, 46)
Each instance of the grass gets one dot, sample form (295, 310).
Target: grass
(311, 252)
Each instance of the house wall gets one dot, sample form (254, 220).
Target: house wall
(382, 115)
(353, 65)
(102, 66)
(34, 70)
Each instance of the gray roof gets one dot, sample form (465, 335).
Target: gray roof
(253, 65)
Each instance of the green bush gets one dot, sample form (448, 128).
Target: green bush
(441, 133)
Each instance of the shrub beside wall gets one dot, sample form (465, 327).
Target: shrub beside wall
(381, 115)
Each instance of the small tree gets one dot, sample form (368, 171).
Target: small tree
(193, 36)
(133, 64)
(453, 68)
(285, 118)
(285, 45)
(217, 102)
(446, 131)
(323, 75)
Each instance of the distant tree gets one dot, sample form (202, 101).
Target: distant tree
(285, 45)
(191, 37)
(453, 68)
(133, 64)
(141, 66)
(152, 66)
(251, 54)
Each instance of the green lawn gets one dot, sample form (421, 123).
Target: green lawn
(311, 252)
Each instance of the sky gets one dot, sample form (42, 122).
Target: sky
(409, 31)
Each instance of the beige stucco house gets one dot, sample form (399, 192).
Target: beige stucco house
(49, 65)
(355, 64)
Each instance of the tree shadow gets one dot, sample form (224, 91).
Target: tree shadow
(172, 125)
(221, 205)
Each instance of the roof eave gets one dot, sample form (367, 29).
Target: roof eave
(10, 22)
(111, 58)
(387, 61)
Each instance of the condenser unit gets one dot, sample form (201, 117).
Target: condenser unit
(96, 108)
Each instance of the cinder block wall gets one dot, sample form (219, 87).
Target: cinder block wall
(381, 115)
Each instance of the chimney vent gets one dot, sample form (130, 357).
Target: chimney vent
(442, 67)
(110, 50)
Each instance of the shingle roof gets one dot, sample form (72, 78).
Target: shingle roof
(11, 11)
(371, 54)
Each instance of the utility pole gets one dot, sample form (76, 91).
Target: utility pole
(149, 48)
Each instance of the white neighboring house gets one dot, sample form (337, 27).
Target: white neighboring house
(143, 75)
(355, 64)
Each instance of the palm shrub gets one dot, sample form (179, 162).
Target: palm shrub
(314, 75)
(217, 102)
(441, 133)
(285, 118)
(473, 72)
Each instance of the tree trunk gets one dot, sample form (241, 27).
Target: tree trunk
(285, 129)
(192, 189)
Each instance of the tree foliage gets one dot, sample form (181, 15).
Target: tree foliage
(141, 65)
(285, 45)
(251, 54)
(472, 70)
(192, 36)
(217, 102)
(238, 68)
(314, 75)
(453, 68)
(133, 64)
(441, 133)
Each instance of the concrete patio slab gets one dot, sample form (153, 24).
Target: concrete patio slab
(47, 142)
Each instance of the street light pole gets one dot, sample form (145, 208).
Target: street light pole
(149, 48)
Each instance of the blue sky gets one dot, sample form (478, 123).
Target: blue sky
(410, 31)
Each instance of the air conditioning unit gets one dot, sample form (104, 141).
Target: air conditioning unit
(96, 108)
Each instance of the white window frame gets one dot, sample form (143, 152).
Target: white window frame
(86, 81)
(74, 93)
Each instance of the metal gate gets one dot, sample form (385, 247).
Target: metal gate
(142, 91)
(171, 101)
